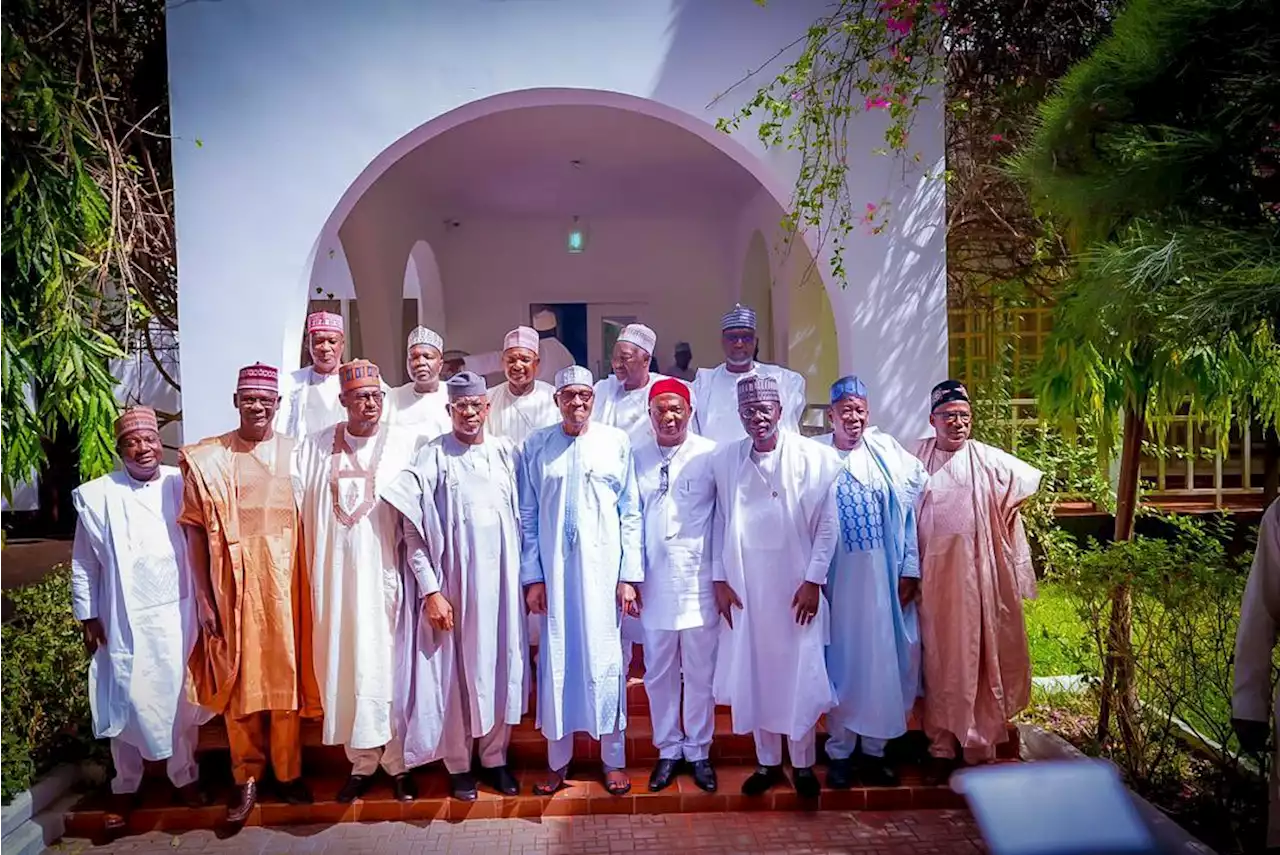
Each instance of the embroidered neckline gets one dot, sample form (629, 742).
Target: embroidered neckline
(340, 447)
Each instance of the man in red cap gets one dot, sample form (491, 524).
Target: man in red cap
(310, 401)
(252, 664)
(681, 626)
(128, 591)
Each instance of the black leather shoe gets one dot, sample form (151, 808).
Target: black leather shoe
(355, 787)
(704, 775)
(501, 779)
(761, 780)
(246, 798)
(464, 787)
(806, 783)
(875, 772)
(404, 787)
(296, 792)
(840, 774)
(663, 774)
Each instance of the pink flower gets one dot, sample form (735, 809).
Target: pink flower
(897, 25)
(798, 95)
(871, 207)
(997, 137)
(877, 103)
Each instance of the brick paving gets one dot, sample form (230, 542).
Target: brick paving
(921, 832)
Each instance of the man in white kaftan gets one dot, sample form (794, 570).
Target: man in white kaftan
(462, 629)
(349, 546)
(131, 590)
(1255, 641)
(524, 403)
(555, 357)
(580, 520)
(774, 536)
(874, 655)
(682, 627)
(309, 396)
(715, 390)
(420, 406)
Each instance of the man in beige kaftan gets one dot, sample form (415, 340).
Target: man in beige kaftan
(349, 547)
(975, 569)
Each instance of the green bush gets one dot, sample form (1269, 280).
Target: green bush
(45, 684)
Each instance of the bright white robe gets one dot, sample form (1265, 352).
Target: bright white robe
(1255, 640)
(309, 403)
(462, 505)
(774, 530)
(129, 569)
(355, 584)
(716, 392)
(874, 656)
(424, 415)
(515, 417)
(624, 408)
(552, 357)
(580, 521)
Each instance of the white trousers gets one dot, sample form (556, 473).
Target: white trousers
(365, 761)
(803, 751)
(492, 747)
(613, 751)
(843, 742)
(675, 660)
(181, 765)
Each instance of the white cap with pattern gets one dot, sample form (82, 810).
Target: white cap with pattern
(574, 375)
(639, 335)
(422, 335)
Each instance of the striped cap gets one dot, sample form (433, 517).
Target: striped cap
(740, 317)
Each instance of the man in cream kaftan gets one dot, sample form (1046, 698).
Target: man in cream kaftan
(874, 656)
(309, 400)
(715, 390)
(462, 628)
(1255, 641)
(774, 536)
(523, 404)
(975, 567)
(678, 502)
(420, 405)
(580, 519)
(349, 543)
(131, 590)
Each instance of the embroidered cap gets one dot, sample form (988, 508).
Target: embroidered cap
(639, 335)
(465, 384)
(526, 337)
(422, 335)
(670, 386)
(258, 377)
(946, 392)
(848, 386)
(740, 317)
(574, 375)
(325, 322)
(359, 374)
(755, 389)
(136, 419)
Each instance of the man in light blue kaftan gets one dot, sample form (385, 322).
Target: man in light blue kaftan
(581, 556)
(874, 655)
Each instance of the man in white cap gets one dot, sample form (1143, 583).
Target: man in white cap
(622, 399)
(421, 404)
(524, 403)
(776, 531)
(581, 545)
(715, 389)
(555, 356)
(309, 397)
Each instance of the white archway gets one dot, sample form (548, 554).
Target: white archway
(422, 283)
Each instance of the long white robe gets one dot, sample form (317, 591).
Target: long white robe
(580, 522)
(355, 583)
(1255, 641)
(461, 508)
(309, 403)
(129, 570)
(515, 417)
(424, 415)
(624, 408)
(775, 528)
(874, 656)
(716, 392)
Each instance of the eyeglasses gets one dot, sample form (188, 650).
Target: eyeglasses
(584, 396)
(739, 338)
(753, 410)
(366, 397)
(467, 407)
(956, 418)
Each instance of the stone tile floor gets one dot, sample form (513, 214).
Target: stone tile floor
(921, 832)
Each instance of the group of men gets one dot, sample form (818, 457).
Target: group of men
(383, 558)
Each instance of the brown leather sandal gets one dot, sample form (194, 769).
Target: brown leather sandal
(615, 785)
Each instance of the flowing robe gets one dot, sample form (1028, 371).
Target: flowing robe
(874, 655)
(241, 495)
(130, 571)
(355, 579)
(1255, 641)
(773, 532)
(309, 403)
(976, 569)
(462, 502)
(422, 414)
(515, 417)
(716, 392)
(580, 521)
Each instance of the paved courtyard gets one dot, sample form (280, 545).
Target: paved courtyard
(925, 832)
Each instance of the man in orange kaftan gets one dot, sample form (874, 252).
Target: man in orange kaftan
(975, 572)
(252, 663)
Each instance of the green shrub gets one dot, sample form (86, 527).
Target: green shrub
(45, 684)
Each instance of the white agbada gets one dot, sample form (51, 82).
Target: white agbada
(355, 579)
(874, 656)
(715, 390)
(423, 414)
(1255, 641)
(514, 417)
(462, 540)
(624, 408)
(129, 570)
(775, 528)
(309, 403)
(580, 521)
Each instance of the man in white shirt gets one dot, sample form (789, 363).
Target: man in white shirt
(309, 399)
(555, 356)
(715, 389)
(420, 405)
(524, 403)
(681, 625)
